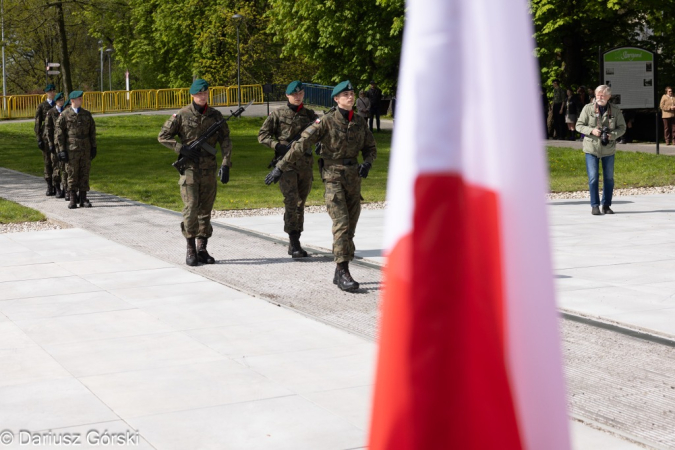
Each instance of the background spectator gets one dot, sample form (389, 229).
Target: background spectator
(571, 114)
(558, 110)
(363, 105)
(668, 115)
(375, 96)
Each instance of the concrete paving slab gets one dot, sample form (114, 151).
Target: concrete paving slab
(32, 272)
(89, 327)
(351, 403)
(183, 387)
(50, 404)
(111, 356)
(27, 365)
(287, 423)
(62, 305)
(10, 290)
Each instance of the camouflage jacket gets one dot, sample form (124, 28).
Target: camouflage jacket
(50, 127)
(339, 138)
(75, 131)
(284, 124)
(40, 116)
(188, 124)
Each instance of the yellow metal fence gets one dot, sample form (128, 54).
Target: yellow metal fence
(24, 106)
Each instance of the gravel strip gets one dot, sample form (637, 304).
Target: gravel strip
(29, 226)
(617, 192)
(280, 211)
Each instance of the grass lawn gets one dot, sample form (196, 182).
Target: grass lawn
(11, 212)
(631, 169)
(132, 164)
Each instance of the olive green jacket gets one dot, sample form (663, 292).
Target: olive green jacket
(587, 121)
(284, 124)
(339, 138)
(75, 132)
(50, 127)
(40, 116)
(189, 124)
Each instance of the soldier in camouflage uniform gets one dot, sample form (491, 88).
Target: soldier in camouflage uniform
(282, 126)
(198, 184)
(40, 117)
(76, 140)
(342, 135)
(58, 167)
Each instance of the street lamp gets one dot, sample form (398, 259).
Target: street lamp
(238, 18)
(109, 51)
(100, 47)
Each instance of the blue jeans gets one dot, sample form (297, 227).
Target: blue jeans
(592, 165)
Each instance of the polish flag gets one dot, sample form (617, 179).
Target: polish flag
(469, 352)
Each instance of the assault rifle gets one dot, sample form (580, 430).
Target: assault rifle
(200, 142)
(279, 156)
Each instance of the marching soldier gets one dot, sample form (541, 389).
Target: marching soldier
(58, 167)
(342, 135)
(76, 140)
(40, 117)
(282, 126)
(198, 184)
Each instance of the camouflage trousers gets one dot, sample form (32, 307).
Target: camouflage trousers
(343, 200)
(295, 185)
(49, 166)
(198, 190)
(78, 168)
(58, 169)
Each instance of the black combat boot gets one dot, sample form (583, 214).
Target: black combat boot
(202, 255)
(294, 248)
(67, 196)
(191, 257)
(344, 278)
(335, 275)
(73, 202)
(59, 191)
(84, 202)
(50, 189)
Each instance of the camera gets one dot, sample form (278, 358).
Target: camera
(604, 135)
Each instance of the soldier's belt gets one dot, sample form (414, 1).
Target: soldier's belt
(341, 162)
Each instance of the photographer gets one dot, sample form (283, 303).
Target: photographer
(602, 124)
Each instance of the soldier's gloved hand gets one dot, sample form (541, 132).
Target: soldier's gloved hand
(364, 169)
(281, 149)
(41, 144)
(273, 177)
(52, 149)
(63, 156)
(192, 153)
(224, 174)
(92, 153)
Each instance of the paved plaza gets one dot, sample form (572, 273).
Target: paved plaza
(102, 327)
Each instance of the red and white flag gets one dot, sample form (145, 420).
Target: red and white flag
(470, 352)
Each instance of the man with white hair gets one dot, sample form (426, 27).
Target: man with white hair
(602, 124)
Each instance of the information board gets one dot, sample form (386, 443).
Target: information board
(630, 72)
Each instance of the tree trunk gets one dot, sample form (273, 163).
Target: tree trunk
(65, 60)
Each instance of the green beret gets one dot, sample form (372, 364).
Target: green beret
(58, 96)
(198, 86)
(344, 86)
(75, 94)
(50, 87)
(294, 86)
(67, 103)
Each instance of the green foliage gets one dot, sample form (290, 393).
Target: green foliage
(132, 164)
(568, 34)
(358, 41)
(11, 212)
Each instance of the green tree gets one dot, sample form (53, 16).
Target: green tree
(359, 41)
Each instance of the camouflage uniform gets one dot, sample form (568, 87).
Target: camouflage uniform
(40, 118)
(198, 184)
(75, 133)
(59, 174)
(341, 141)
(281, 126)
